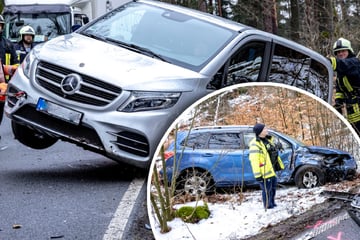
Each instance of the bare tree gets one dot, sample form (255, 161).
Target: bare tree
(294, 20)
(270, 16)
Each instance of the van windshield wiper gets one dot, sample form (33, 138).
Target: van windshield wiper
(137, 48)
(129, 46)
(95, 36)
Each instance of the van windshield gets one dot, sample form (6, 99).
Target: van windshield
(176, 37)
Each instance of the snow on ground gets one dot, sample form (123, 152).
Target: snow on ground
(234, 220)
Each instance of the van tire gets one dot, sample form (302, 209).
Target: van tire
(31, 138)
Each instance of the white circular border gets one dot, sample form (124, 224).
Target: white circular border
(218, 92)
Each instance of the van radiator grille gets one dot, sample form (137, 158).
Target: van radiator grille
(92, 91)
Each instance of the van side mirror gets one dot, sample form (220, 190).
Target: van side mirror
(85, 19)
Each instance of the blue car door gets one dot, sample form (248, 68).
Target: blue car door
(286, 155)
(227, 155)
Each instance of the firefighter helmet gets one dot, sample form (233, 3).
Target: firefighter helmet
(26, 30)
(342, 44)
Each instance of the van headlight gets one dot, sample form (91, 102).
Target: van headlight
(26, 64)
(146, 101)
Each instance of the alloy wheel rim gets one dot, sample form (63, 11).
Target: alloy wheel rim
(310, 180)
(195, 186)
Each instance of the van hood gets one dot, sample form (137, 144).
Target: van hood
(117, 65)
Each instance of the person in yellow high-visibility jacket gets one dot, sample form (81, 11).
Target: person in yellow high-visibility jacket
(265, 161)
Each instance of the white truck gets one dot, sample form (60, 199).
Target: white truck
(100, 7)
(49, 18)
(52, 18)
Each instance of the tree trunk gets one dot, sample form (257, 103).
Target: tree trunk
(270, 16)
(294, 20)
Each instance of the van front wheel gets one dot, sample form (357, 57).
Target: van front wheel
(31, 138)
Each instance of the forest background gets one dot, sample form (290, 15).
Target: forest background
(316, 24)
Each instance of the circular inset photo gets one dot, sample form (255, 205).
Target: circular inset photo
(262, 161)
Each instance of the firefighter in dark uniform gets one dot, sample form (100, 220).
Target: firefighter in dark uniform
(8, 59)
(26, 43)
(347, 96)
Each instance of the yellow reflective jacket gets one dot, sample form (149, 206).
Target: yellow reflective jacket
(8, 55)
(260, 159)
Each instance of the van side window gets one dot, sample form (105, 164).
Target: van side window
(318, 82)
(244, 66)
(297, 69)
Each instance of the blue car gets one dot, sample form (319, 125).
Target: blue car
(211, 157)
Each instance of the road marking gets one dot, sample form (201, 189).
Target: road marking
(323, 227)
(338, 237)
(118, 223)
(3, 147)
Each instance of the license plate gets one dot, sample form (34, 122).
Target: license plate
(58, 111)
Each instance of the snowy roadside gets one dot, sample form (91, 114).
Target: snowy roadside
(232, 219)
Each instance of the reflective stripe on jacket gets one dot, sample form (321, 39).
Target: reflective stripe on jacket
(8, 54)
(260, 159)
(22, 51)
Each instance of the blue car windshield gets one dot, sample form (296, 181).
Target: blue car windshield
(175, 37)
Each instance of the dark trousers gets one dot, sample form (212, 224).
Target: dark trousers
(268, 188)
(2, 104)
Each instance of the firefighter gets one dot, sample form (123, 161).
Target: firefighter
(265, 161)
(7, 51)
(347, 95)
(8, 58)
(26, 43)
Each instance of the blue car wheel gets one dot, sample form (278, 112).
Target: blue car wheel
(194, 182)
(309, 176)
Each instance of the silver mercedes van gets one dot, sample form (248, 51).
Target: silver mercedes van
(115, 85)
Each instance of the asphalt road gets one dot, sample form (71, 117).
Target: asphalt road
(339, 227)
(65, 192)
